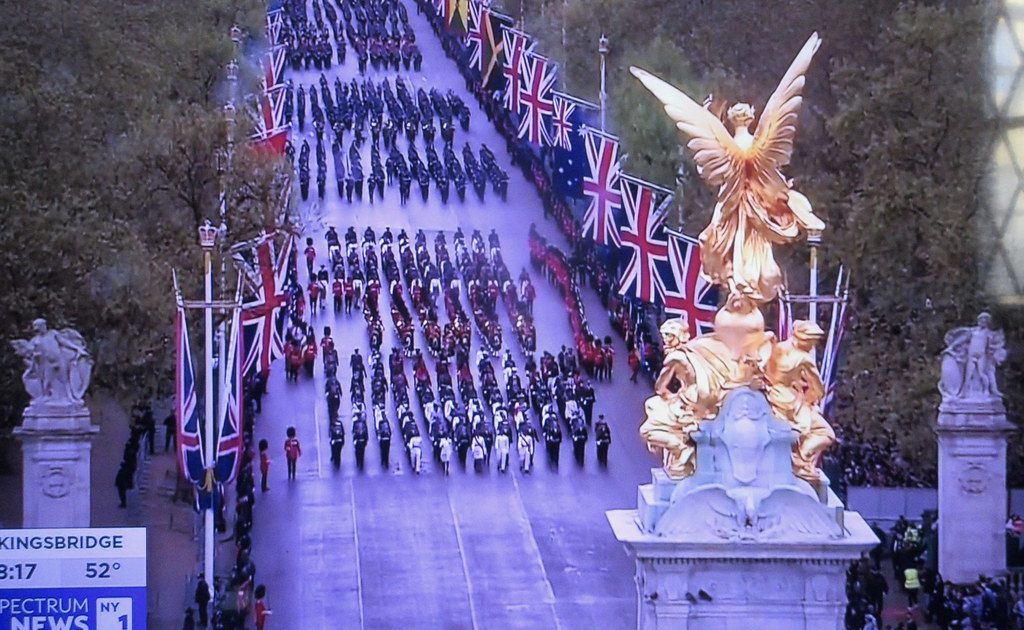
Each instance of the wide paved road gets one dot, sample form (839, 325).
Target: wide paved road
(389, 549)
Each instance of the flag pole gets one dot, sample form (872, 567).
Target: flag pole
(814, 240)
(207, 240)
(602, 49)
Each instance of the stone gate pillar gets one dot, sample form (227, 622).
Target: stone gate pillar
(56, 466)
(972, 431)
(56, 435)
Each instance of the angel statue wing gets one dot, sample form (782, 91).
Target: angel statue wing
(776, 128)
(714, 150)
(718, 156)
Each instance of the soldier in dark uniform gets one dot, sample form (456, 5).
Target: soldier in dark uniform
(337, 442)
(301, 107)
(289, 102)
(603, 436)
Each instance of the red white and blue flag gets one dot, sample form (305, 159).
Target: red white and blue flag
(476, 34)
(561, 122)
(538, 81)
(274, 22)
(516, 45)
(273, 67)
(643, 237)
(272, 108)
(263, 316)
(601, 186)
(837, 327)
(688, 292)
(230, 410)
(191, 462)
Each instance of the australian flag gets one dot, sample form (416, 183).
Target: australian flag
(568, 151)
(229, 435)
(186, 409)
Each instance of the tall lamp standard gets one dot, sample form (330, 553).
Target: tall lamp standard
(602, 49)
(207, 241)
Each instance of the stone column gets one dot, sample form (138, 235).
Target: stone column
(56, 464)
(972, 430)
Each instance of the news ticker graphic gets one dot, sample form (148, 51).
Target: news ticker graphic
(72, 579)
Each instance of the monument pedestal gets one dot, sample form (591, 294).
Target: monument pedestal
(705, 582)
(56, 455)
(972, 489)
(742, 543)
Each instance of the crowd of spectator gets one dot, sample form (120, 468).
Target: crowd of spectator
(917, 596)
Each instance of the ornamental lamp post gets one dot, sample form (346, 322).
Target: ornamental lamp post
(236, 35)
(207, 241)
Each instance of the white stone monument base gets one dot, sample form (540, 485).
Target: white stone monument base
(740, 585)
(742, 543)
(56, 455)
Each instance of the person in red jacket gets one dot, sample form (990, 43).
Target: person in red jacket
(260, 610)
(292, 451)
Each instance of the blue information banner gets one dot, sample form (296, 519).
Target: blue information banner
(73, 579)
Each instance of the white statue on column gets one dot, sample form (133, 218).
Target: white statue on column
(972, 430)
(57, 433)
(57, 365)
(969, 362)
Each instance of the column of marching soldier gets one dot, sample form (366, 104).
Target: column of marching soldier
(461, 418)
(353, 106)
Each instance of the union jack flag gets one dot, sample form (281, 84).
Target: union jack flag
(561, 122)
(273, 67)
(441, 9)
(274, 22)
(476, 34)
(538, 79)
(271, 140)
(601, 185)
(263, 319)
(688, 292)
(516, 46)
(229, 436)
(643, 235)
(272, 107)
(191, 462)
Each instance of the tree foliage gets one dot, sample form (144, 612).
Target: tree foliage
(114, 134)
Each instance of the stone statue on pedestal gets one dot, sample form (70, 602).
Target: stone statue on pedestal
(969, 362)
(57, 365)
(56, 434)
(972, 430)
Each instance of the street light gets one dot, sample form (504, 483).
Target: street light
(236, 34)
(232, 70)
(602, 49)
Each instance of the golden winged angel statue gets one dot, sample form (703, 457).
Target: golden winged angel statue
(756, 209)
(756, 204)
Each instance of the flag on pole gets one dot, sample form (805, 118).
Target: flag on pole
(263, 316)
(492, 78)
(230, 410)
(836, 329)
(274, 22)
(476, 34)
(191, 462)
(568, 153)
(517, 45)
(642, 235)
(601, 186)
(688, 292)
(538, 80)
(273, 67)
(272, 107)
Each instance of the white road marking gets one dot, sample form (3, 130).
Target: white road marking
(462, 557)
(355, 541)
(536, 554)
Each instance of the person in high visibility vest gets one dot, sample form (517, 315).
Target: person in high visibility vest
(912, 584)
